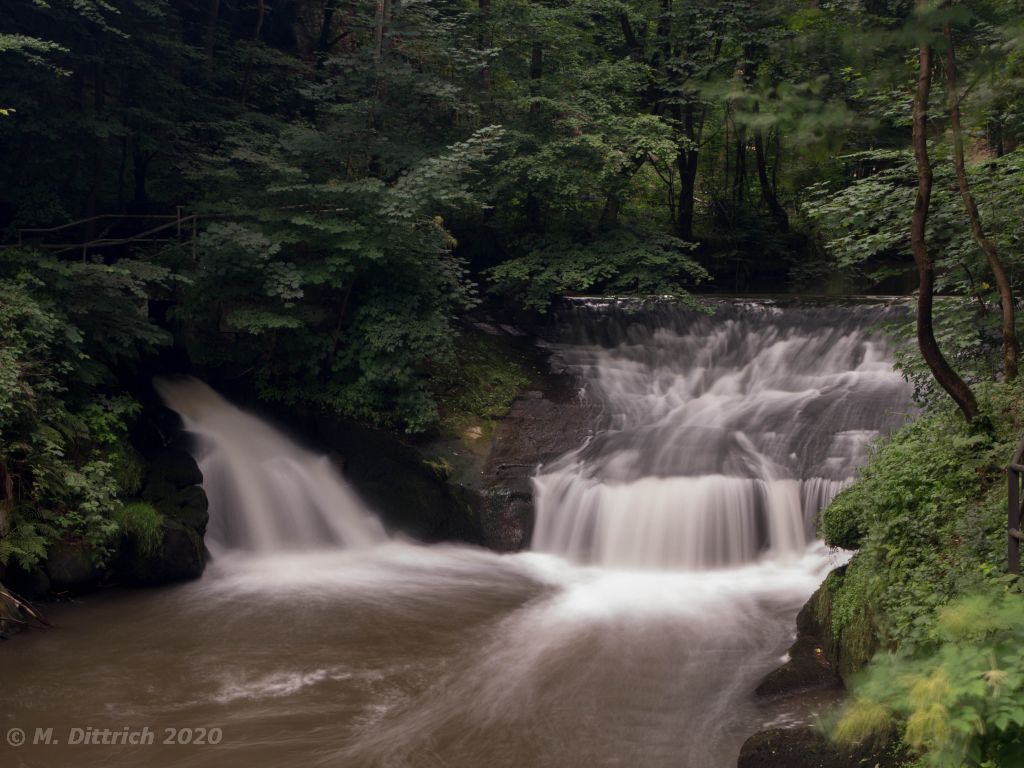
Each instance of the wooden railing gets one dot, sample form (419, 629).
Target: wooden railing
(1014, 472)
(180, 226)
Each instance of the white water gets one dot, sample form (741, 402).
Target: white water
(266, 493)
(723, 437)
(678, 553)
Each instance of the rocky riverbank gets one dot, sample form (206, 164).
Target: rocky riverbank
(162, 527)
(818, 661)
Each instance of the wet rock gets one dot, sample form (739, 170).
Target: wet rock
(396, 481)
(809, 667)
(808, 748)
(541, 426)
(506, 516)
(71, 567)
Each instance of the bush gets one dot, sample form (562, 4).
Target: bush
(959, 698)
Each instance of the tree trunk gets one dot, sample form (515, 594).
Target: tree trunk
(323, 45)
(140, 165)
(1011, 349)
(257, 29)
(532, 211)
(944, 374)
(687, 165)
(211, 36)
(485, 40)
(768, 194)
(99, 151)
(383, 16)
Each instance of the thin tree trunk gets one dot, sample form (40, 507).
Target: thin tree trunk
(211, 36)
(99, 152)
(536, 72)
(944, 374)
(686, 163)
(377, 110)
(247, 79)
(6, 498)
(1011, 348)
(383, 15)
(485, 41)
(768, 195)
(324, 43)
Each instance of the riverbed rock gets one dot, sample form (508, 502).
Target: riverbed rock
(177, 466)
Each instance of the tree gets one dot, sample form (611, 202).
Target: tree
(944, 374)
(1011, 348)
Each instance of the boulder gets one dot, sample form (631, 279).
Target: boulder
(71, 567)
(176, 466)
(189, 506)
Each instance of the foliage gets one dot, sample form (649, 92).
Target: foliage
(143, 523)
(959, 699)
(480, 388)
(928, 516)
(64, 330)
(626, 263)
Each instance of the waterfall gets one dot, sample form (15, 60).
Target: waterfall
(721, 436)
(266, 493)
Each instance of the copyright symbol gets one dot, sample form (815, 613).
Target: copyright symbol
(15, 737)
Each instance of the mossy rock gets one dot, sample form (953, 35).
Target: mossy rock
(180, 556)
(852, 644)
(175, 466)
(189, 506)
(157, 489)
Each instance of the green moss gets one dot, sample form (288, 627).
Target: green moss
(488, 376)
(143, 523)
(928, 516)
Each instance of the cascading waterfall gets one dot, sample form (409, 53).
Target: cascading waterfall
(722, 436)
(266, 493)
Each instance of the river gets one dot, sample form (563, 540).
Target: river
(670, 557)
